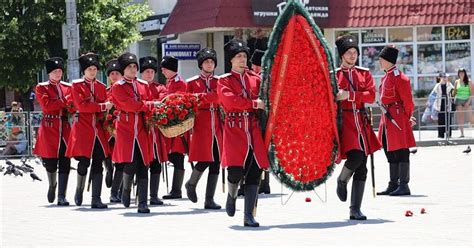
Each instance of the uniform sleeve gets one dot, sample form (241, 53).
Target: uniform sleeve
(231, 99)
(125, 102)
(179, 86)
(46, 102)
(403, 88)
(82, 100)
(367, 95)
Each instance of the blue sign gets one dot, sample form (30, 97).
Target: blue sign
(181, 51)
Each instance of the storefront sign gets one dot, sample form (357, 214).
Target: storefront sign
(153, 24)
(457, 33)
(265, 12)
(181, 51)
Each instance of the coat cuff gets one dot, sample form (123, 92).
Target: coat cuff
(254, 104)
(351, 96)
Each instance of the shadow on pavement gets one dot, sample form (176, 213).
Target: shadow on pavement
(322, 225)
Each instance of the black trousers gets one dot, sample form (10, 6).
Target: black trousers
(98, 157)
(51, 164)
(213, 166)
(397, 156)
(251, 173)
(177, 159)
(445, 121)
(155, 165)
(137, 166)
(357, 161)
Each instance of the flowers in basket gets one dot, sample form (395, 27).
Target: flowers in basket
(176, 114)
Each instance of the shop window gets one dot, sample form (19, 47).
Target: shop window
(457, 33)
(429, 34)
(373, 36)
(426, 82)
(370, 59)
(400, 34)
(430, 59)
(405, 59)
(458, 55)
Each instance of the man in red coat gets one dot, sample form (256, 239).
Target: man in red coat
(357, 139)
(148, 68)
(206, 139)
(396, 98)
(87, 140)
(177, 146)
(243, 151)
(132, 98)
(54, 96)
(113, 178)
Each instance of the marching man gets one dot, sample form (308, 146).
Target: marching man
(206, 139)
(54, 97)
(243, 151)
(395, 130)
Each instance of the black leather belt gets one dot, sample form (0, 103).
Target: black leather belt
(392, 104)
(354, 110)
(239, 114)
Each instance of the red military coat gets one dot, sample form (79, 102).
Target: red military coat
(178, 144)
(132, 99)
(395, 95)
(54, 99)
(108, 136)
(207, 124)
(237, 94)
(157, 140)
(355, 126)
(88, 97)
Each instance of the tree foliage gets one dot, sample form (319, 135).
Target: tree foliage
(30, 32)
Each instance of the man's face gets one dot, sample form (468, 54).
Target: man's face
(115, 76)
(350, 56)
(130, 71)
(239, 61)
(90, 72)
(167, 73)
(148, 75)
(56, 75)
(208, 66)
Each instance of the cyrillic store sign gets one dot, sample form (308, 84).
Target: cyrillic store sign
(265, 12)
(181, 51)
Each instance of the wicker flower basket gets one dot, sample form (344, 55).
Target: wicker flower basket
(177, 130)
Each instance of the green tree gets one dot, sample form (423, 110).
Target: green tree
(30, 32)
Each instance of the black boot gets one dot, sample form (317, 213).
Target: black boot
(127, 187)
(142, 196)
(356, 200)
(115, 196)
(241, 191)
(154, 186)
(96, 191)
(109, 168)
(81, 182)
(191, 184)
(342, 180)
(231, 198)
(210, 191)
(265, 184)
(250, 200)
(403, 188)
(52, 179)
(62, 188)
(393, 184)
(178, 176)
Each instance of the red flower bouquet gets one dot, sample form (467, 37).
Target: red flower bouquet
(176, 114)
(108, 119)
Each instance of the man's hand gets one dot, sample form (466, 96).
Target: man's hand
(108, 105)
(342, 95)
(412, 121)
(260, 104)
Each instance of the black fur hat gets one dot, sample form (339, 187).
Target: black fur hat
(126, 59)
(170, 63)
(345, 43)
(89, 59)
(112, 65)
(148, 62)
(54, 63)
(257, 57)
(234, 47)
(389, 53)
(206, 53)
